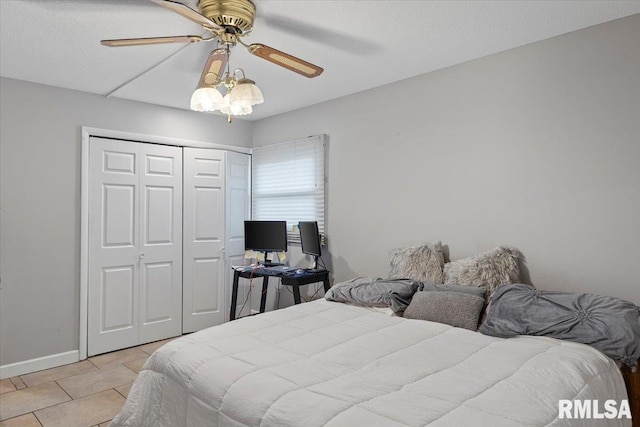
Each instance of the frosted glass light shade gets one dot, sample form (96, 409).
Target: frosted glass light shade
(237, 108)
(246, 90)
(206, 99)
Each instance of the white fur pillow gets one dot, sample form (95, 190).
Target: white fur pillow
(421, 263)
(488, 270)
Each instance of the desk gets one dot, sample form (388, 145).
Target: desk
(295, 280)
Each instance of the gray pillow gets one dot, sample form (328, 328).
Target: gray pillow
(472, 290)
(609, 324)
(488, 270)
(453, 308)
(395, 294)
(422, 263)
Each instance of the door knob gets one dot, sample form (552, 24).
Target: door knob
(223, 250)
(141, 256)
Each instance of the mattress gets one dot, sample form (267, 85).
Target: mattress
(326, 363)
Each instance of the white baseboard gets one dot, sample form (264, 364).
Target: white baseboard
(33, 365)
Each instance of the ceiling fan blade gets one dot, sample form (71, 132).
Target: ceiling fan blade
(285, 60)
(214, 67)
(151, 40)
(188, 13)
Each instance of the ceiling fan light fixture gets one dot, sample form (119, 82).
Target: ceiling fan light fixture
(246, 90)
(206, 99)
(227, 21)
(235, 108)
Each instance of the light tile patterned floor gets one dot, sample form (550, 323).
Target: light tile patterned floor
(84, 394)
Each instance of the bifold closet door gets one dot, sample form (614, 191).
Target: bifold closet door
(203, 302)
(238, 208)
(135, 244)
(161, 242)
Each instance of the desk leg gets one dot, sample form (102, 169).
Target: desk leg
(296, 294)
(326, 284)
(263, 298)
(234, 295)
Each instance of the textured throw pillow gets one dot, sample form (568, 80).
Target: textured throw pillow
(395, 294)
(489, 270)
(609, 324)
(452, 308)
(473, 290)
(418, 263)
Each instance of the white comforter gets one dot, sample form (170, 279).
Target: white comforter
(325, 363)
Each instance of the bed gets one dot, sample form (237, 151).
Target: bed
(327, 363)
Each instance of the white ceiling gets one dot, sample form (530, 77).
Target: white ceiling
(360, 44)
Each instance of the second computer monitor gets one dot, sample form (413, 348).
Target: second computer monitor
(310, 240)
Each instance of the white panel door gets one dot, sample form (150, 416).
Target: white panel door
(135, 244)
(238, 209)
(160, 242)
(113, 245)
(203, 244)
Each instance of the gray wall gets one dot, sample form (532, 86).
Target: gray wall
(537, 147)
(40, 140)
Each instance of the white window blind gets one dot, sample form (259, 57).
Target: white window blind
(288, 183)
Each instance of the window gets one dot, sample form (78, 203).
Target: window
(288, 183)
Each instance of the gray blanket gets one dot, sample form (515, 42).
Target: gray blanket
(394, 293)
(609, 324)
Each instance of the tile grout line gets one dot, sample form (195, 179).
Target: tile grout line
(38, 419)
(16, 384)
(65, 391)
(116, 390)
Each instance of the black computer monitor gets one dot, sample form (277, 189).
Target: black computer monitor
(265, 236)
(310, 240)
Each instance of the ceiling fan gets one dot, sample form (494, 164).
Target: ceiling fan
(228, 21)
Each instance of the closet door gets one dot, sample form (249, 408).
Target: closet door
(160, 309)
(135, 244)
(114, 262)
(238, 208)
(203, 243)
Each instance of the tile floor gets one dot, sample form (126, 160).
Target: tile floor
(84, 394)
